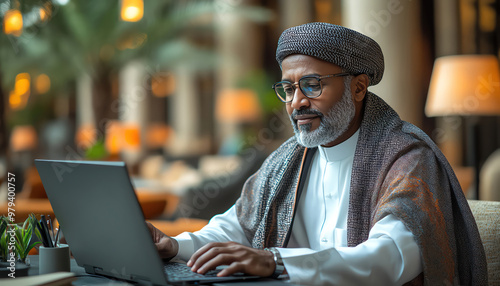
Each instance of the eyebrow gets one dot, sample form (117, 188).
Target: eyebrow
(313, 74)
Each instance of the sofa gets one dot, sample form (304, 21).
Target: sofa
(487, 215)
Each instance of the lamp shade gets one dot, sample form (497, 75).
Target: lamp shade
(23, 138)
(464, 85)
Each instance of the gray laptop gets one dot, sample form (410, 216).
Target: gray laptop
(103, 223)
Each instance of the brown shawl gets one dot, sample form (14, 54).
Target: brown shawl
(397, 170)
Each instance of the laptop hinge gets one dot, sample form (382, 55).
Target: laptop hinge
(141, 280)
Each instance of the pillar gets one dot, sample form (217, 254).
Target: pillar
(239, 44)
(447, 28)
(183, 113)
(133, 96)
(395, 26)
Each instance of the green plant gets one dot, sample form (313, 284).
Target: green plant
(24, 239)
(4, 252)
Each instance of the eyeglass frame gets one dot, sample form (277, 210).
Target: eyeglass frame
(297, 83)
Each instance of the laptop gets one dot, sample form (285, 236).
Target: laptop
(103, 223)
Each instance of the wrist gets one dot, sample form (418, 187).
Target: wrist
(278, 262)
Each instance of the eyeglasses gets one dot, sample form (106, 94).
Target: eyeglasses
(309, 85)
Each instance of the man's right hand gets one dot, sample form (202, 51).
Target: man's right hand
(167, 247)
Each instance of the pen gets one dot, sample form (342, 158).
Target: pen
(57, 237)
(46, 230)
(42, 233)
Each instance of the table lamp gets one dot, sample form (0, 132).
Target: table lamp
(237, 106)
(235, 109)
(23, 138)
(469, 86)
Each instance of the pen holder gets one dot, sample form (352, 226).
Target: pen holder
(54, 259)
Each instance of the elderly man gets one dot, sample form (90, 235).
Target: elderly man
(357, 196)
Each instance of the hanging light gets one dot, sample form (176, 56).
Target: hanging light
(22, 84)
(132, 10)
(13, 22)
(14, 100)
(42, 84)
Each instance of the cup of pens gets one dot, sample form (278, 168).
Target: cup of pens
(53, 256)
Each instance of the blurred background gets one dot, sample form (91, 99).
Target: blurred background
(181, 90)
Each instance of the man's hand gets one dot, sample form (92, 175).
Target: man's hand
(167, 246)
(240, 258)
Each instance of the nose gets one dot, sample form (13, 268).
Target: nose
(299, 101)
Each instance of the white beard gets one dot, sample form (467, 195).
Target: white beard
(332, 125)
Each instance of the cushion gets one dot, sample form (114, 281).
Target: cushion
(487, 215)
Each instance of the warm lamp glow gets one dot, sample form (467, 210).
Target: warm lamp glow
(18, 98)
(86, 136)
(163, 85)
(114, 137)
(238, 105)
(132, 10)
(13, 22)
(464, 85)
(132, 136)
(42, 84)
(157, 135)
(22, 85)
(23, 138)
(14, 100)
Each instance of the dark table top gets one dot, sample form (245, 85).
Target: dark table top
(82, 277)
(87, 279)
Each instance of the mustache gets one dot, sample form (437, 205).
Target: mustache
(296, 112)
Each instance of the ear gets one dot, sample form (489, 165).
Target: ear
(359, 86)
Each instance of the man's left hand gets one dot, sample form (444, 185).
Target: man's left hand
(240, 258)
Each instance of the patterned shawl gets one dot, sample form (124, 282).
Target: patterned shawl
(397, 170)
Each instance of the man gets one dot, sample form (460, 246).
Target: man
(358, 196)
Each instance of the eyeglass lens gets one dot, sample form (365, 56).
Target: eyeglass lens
(311, 87)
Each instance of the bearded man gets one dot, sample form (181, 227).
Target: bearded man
(356, 197)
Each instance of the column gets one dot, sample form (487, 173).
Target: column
(395, 26)
(448, 134)
(131, 111)
(183, 114)
(295, 12)
(239, 44)
(86, 131)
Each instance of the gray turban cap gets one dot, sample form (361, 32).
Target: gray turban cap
(352, 51)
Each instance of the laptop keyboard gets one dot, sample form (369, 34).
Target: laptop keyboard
(180, 272)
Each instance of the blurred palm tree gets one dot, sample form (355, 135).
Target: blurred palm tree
(88, 37)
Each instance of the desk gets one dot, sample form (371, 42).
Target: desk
(86, 279)
(82, 278)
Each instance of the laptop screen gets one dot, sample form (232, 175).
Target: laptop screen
(101, 219)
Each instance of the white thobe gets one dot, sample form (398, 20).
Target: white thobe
(317, 252)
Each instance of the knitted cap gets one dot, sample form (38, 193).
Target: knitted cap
(352, 51)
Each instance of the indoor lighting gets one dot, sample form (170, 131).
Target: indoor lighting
(42, 84)
(86, 136)
(18, 98)
(14, 100)
(238, 106)
(23, 138)
(132, 137)
(22, 85)
(157, 135)
(13, 22)
(469, 86)
(163, 85)
(114, 137)
(464, 85)
(132, 10)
